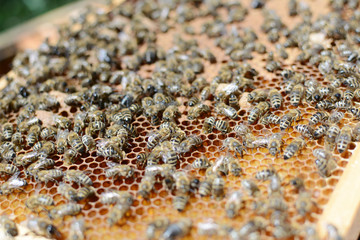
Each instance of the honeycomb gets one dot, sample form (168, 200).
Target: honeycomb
(199, 208)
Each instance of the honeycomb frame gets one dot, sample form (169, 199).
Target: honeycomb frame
(199, 209)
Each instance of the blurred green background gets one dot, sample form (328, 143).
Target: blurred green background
(14, 12)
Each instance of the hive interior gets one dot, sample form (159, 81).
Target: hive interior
(199, 208)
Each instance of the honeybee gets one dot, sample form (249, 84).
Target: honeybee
(37, 146)
(241, 129)
(73, 100)
(311, 233)
(77, 176)
(171, 113)
(189, 142)
(85, 192)
(61, 141)
(33, 135)
(233, 145)
(42, 163)
(272, 66)
(38, 200)
(205, 188)
(332, 133)
(284, 231)
(325, 166)
(8, 131)
(146, 185)
(208, 124)
(344, 138)
(280, 49)
(75, 142)
(108, 149)
(193, 101)
(336, 116)
(296, 94)
(131, 129)
(222, 126)
(69, 209)
(265, 174)
(117, 197)
(303, 203)
(8, 226)
(269, 119)
(169, 155)
(117, 170)
(205, 93)
(287, 74)
(250, 187)
(62, 122)
(355, 111)
(158, 136)
(67, 191)
(318, 117)
(79, 122)
(348, 95)
(260, 109)
(43, 227)
(116, 213)
(77, 230)
(17, 140)
(182, 182)
(198, 110)
(296, 145)
(275, 143)
(123, 116)
(250, 141)
(8, 169)
(275, 98)
(325, 105)
(258, 95)
(253, 225)
(218, 185)
(298, 183)
(233, 204)
(26, 159)
(157, 224)
(320, 131)
(49, 175)
(332, 232)
(179, 202)
(141, 159)
(178, 229)
(289, 118)
(305, 130)
(233, 101)
(13, 183)
(233, 165)
(70, 156)
(89, 142)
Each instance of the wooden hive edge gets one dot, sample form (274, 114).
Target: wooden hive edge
(343, 208)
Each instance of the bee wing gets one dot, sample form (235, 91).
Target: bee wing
(81, 116)
(14, 176)
(266, 132)
(102, 143)
(111, 164)
(151, 133)
(230, 88)
(62, 134)
(16, 182)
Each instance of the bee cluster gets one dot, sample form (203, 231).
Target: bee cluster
(186, 136)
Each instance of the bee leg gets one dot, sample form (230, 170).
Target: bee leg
(43, 209)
